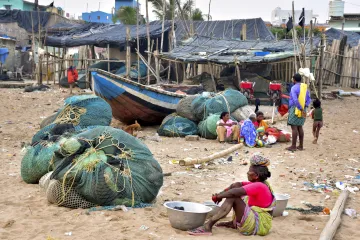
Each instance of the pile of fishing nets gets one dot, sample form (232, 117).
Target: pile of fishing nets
(78, 114)
(105, 166)
(176, 126)
(80, 111)
(134, 70)
(227, 101)
(242, 113)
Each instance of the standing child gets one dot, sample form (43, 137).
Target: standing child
(317, 115)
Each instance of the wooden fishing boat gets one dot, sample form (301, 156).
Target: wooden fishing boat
(132, 101)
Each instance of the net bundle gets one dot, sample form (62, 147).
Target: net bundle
(80, 111)
(207, 128)
(176, 126)
(242, 113)
(227, 101)
(107, 166)
(183, 109)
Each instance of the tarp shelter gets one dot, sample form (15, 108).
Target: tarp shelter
(101, 35)
(353, 38)
(202, 49)
(28, 20)
(227, 29)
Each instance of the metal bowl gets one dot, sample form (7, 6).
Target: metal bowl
(215, 208)
(193, 216)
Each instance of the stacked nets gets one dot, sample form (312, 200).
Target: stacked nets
(107, 166)
(80, 111)
(242, 113)
(176, 126)
(227, 101)
(183, 108)
(207, 128)
(36, 161)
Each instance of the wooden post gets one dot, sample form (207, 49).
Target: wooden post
(148, 39)
(58, 66)
(169, 72)
(61, 64)
(40, 70)
(47, 65)
(157, 65)
(108, 58)
(163, 26)
(212, 76)
(184, 71)
(177, 74)
(243, 32)
(53, 65)
(294, 34)
(93, 55)
(332, 225)
(137, 38)
(340, 59)
(128, 57)
(33, 67)
(238, 73)
(321, 72)
(311, 46)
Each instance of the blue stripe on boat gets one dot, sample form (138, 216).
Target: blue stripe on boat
(116, 90)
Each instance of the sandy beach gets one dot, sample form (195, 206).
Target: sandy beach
(26, 214)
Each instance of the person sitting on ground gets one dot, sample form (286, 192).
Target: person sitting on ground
(227, 128)
(260, 122)
(248, 131)
(252, 203)
(317, 115)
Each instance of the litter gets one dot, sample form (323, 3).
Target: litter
(351, 212)
(354, 131)
(285, 214)
(68, 233)
(144, 228)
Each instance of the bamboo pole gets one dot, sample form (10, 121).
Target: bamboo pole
(332, 225)
(53, 65)
(58, 66)
(177, 74)
(320, 78)
(33, 44)
(148, 39)
(47, 65)
(294, 33)
(162, 28)
(311, 45)
(157, 65)
(190, 161)
(128, 60)
(108, 52)
(137, 37)
(212, 76)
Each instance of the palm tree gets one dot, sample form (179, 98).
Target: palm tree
(126, 15)
(187, 9)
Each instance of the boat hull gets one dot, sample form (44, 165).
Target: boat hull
(132, 101)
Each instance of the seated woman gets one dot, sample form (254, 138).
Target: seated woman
(227, 128)
(252, 202)
(260, 122)
(251, 136)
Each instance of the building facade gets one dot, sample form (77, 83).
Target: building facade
(21, 5)
(97, 17)
(338, 18)
(279, 16)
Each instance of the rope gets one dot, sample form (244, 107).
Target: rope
(70, 114)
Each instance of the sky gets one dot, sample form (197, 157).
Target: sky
(220, 9)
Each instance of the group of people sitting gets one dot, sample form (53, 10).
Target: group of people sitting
(251, 132)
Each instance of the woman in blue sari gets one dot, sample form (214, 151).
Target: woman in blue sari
(248, 131)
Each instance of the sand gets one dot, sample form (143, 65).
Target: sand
(26, 214)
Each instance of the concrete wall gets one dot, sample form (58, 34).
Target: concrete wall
(351, 25)
(97, 16)
(15, 4)
(10, 60)
(115, 53)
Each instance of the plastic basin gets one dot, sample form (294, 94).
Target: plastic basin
(281, 203)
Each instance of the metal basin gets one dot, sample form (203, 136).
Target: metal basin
(193, 216)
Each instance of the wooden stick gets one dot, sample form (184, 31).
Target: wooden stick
(148, 40)
(212, 76)
(128, 53)
(137, 37)
(189, 161)
(329, 231)
(53, 66)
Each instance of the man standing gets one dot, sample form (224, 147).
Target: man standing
(72, 75)
(299, 101)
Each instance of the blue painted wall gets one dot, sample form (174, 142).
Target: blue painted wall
(97, 16)
(125, 3)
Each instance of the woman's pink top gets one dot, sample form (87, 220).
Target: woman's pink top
(259, 194)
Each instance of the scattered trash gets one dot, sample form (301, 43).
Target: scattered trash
(198, 166)
(326, 211)
(174, 162)
(285, 214)
(354, 131)
(230, 159)
(144, 228)
(68, 233)
(282, 175)
(311, 209)
(327, 197)
(155, 138)
(351, 212)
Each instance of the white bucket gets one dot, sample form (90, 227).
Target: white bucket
(281, 203)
